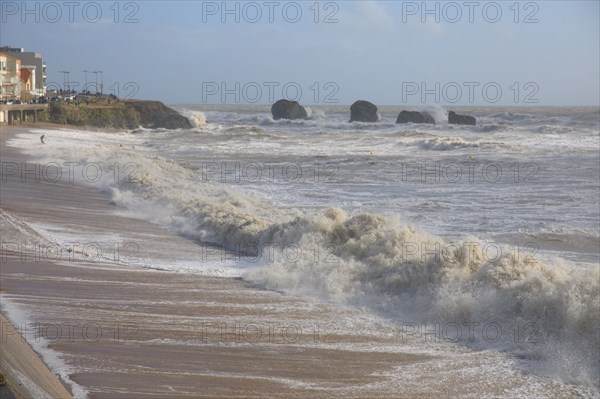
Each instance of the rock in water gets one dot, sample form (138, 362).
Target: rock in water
(414, 117)
(457, 119)
(285, 109)
(363, 111)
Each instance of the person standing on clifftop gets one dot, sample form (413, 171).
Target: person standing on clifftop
(42, 138)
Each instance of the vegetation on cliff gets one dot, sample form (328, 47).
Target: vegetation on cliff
(128, 114)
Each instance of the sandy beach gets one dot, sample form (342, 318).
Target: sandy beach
(163, 334)
(110, 330)
(354, 199)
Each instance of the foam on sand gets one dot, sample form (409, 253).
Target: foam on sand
(24, 367)
(365, 259)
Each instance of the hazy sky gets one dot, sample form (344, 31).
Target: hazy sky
(388, 52)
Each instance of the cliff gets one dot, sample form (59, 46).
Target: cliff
(127, 114)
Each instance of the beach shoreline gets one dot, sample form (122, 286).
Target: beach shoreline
(223, 301)
(139, 332)
(54, 126)
(26, 373)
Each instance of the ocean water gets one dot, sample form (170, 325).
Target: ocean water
(485, 236)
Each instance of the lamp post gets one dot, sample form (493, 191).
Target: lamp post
(86, 81)
(101, 83)
(66, 79)
(95, 80)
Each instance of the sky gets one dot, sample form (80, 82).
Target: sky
(331, 52)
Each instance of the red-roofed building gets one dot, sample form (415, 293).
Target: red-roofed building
(27, 82)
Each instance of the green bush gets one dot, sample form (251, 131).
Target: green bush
(57, 113)
(117, 118)
(124, 115)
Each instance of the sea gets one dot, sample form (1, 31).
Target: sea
(485, 237)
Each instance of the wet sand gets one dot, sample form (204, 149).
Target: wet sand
(27, 374)
(127, 331)
(165, 334)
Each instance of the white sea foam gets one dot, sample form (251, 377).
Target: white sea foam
(363, 258)
(439, 114)
(52, 358)
(196, 118)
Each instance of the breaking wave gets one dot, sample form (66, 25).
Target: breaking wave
(367, 260)
(491, 128)
(400, 271)
(196, 118)
(431, 142)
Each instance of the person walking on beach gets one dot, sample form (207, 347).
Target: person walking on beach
(42, 138)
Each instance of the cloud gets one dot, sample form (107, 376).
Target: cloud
(368, 15)
(435, 28)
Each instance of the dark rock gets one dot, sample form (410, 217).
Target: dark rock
(154, 115)
(285, 109)
(457, 119)
(414, 117)
(363, 111)
(173, 122)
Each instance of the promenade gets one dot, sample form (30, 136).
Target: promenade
(16, 114)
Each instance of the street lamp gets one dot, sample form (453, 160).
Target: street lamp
(86, 81)
(101, 83)
(66, 79)
(95, 80)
